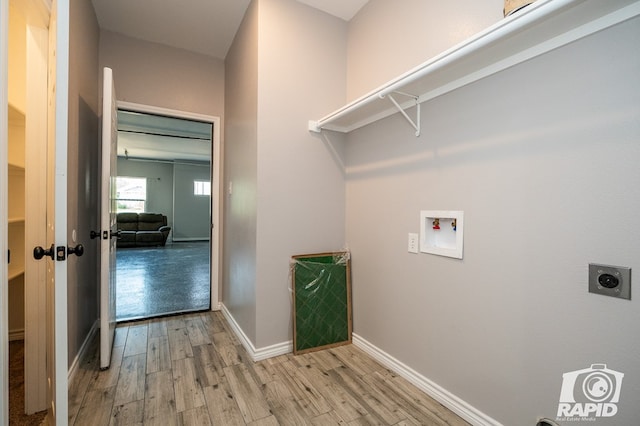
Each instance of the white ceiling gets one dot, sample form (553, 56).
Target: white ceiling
(132, 146)
(155, 137)
(344, 9)
(202, 26)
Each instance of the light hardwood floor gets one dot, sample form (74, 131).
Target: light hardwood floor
(191, 370)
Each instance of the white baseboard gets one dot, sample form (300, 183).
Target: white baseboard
(273, 351)
(255, 354)
(82, 352)
(443, 396)
(16, 334)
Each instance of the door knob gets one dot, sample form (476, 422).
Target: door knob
(77, 250)
(116, 234)
(94, 235)
(39, 252)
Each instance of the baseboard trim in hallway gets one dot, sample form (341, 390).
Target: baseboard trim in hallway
(435, 391)
(255, 354)
(73, 369)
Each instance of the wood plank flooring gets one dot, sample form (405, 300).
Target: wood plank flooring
(191, 370)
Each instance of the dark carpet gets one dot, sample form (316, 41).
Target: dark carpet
(155, 281)
(16, 388)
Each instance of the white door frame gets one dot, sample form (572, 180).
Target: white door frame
(59, 135)
(216, 181)
(4, 136)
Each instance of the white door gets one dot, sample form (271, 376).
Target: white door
(56, 204)
(35, 283)
(36, 324)
(108, 223)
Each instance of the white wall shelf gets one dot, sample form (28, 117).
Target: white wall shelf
(543, 26)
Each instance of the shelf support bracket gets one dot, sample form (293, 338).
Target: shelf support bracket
(416, 124)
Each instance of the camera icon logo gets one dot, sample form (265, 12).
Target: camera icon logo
(593, 391)
(598, 387)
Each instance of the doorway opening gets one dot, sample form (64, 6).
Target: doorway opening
(166, 210)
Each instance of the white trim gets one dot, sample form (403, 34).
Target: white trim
(150, 109)
(216, 181)
(4, 290)
(255, 354)
(82, 352)
(16, 334)
(184, 240)
(61, 14)
(435, 391)
(272, 351)
(237, 330)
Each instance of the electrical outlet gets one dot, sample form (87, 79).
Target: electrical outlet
(413, 243)
(610, 280)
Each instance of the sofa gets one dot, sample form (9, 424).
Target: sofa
(142, 229)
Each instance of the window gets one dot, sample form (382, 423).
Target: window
(202, 187)
(131, 194)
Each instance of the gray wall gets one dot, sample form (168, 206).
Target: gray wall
(170, 192)
(288, 187)
(83, 173)
(240, 168)
(159, 184)
(388, 38)
(543, 160)
(163, 76)
(300, 180)
(192, 213)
